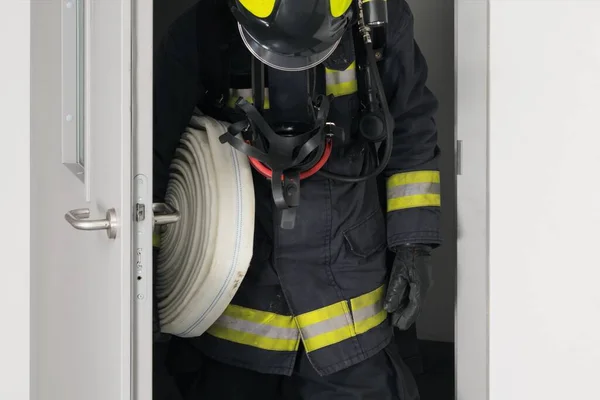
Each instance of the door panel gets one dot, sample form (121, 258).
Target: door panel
(81, 280)
(142, 198)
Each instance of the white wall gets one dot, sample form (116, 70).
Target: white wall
(14, 199)
(528, 303)
(434, 32)
(544, 199)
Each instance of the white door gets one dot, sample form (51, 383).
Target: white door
(91, 201)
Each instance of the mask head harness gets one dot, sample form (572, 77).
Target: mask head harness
(287, 152)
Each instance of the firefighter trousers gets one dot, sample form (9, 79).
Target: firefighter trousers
(381, 377)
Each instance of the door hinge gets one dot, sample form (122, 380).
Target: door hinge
(458, 157)
(140, 212)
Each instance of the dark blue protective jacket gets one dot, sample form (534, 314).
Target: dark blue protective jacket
(321, 284)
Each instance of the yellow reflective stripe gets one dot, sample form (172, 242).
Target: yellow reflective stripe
(322, 314)
(329, 338)
(338, 322)
(342, 89)
(260, 317)
(325, 326)
(405, 178)
(261, 329)
(339, 7)
(413, 189)
(260, 8)
(251, 339)
(319, 328)
(155, 240)
(341, 83)
(419, 200)
(246, 94)
(367, 299)
(368, 310)
(370, 323)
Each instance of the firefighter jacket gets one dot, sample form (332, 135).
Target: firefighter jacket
(320, 286)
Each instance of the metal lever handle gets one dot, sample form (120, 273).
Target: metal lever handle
(79, 220)
(167, 214)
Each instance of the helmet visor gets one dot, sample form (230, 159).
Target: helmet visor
(280, 55)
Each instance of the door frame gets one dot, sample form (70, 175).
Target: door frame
(471, 131)
(142, 108)
(471, 61)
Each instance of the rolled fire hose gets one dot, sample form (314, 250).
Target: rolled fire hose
(204, 257)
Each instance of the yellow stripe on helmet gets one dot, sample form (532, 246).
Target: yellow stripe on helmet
(339, 7)
(260, 8)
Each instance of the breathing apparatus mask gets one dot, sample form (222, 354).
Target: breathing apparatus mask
(291, 143)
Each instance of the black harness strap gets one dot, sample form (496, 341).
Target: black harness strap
(280, 154)
(258, 82)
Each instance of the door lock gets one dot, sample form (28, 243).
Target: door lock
(140, 212)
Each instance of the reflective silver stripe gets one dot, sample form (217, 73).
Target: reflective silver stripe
(342, 320)
(333, 77)
(326, 326)
(367, 312)
(269, 331)
(412, 189)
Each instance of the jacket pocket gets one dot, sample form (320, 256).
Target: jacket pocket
(368, 236)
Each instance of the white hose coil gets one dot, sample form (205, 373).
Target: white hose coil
(204, 257)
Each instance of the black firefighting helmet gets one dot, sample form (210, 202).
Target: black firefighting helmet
(292, 35)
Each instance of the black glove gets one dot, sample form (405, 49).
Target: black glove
(410, 280)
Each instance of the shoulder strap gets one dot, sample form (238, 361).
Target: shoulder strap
(343, 55)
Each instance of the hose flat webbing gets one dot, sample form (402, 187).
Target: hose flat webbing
(204, 257)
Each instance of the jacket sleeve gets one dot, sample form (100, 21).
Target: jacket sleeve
(412, 174)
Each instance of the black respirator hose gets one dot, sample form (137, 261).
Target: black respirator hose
(389, 126)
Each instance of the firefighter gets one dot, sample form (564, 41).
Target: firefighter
(325, 104)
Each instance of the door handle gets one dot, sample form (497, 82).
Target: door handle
(165, 214)
(78, 219)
